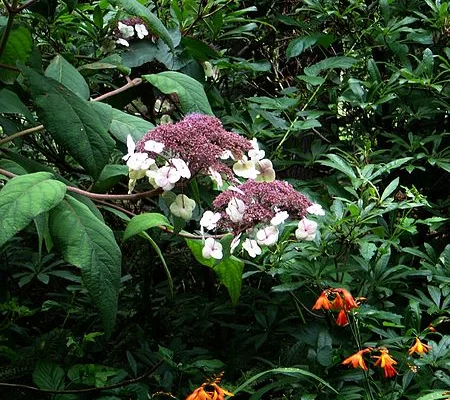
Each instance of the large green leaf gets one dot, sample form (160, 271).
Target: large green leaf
(436, 395)
(229, 272)
(71, 121)
(64, 72)
(140, 223)
(133, 7)
(89, 244)
(49, 376)
(11, 104)
(25, 197)
(18, 49)
(190, 92)
(124, 124)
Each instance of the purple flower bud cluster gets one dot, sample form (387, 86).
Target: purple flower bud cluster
(200, 140)
(262, 201)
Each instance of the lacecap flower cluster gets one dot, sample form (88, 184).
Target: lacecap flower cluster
(253, 206)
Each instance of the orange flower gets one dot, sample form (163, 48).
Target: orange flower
(385, 361)
(342, 319)
(322, 302)
(338, 303)
(357, 359)
(419, 347)
(348, 298)
(209, 391)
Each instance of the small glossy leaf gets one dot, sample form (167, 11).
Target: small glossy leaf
(89, 244)
(190, 92)
(330, 63)
(25, 197)
(142, 222)
(64, 72)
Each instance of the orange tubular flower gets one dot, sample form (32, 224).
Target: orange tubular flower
(348, 298)
(209, 391)
(419, 347)
(357, 360)
(338, 303)
(322, 301)
(385, 361)
(342, 319)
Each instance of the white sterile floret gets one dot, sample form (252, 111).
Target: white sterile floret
(267, 236)
(181, 167)
(235, 243)
(209, 220)
(141, 30)
(279, 218)
(216, 177)
(306, 230)
(131, 147)
(139, 161)
(245, 168)
(155, 147)
(126, 31)
(235, 209)
(255, 153)
(183, 207)
(212, 249)
(123, 42)
(266, 171)
(251, 247)
(226, 155)
(166, 177)
(316, 209)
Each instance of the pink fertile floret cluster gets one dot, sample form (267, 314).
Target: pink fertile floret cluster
(262, 201)
(200, 140)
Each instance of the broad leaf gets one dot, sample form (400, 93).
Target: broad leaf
(133, 7)
(64, 72)
(190, 92)
(229, 272)
(25, 197)
(18, 49)
(11, 104)
(71, 121)
(89, 244)
(140, 223)
(49, 376)
(124, 124)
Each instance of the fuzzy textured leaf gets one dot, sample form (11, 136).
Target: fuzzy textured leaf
(190, 92)
(142, 222)
(89, 244)
(48, 375)
(124, 124)
(24, 198)
(71, 121)
(64, 72)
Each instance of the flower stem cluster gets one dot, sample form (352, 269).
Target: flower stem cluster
(339, 299)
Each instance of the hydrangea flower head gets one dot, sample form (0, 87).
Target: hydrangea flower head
(263, 201)
(200, 141)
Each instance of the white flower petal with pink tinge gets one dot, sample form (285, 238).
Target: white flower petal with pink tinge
(212, 249)
(209, 220)
(267, 236)
(306, 230)
(316, 209)
(251, 247)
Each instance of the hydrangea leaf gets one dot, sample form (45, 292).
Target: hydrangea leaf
(140, 223)
(89, 244)
(24, 198)
(190, 92)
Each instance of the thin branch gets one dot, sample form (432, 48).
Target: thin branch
(21, 133)
(26, 5)
(130, 84)
(10, 67)
(88, 390)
